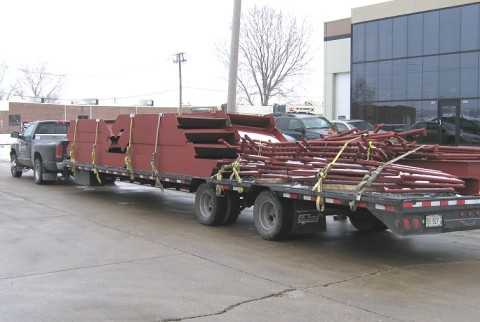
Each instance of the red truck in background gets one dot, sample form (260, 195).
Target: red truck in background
(233, 161)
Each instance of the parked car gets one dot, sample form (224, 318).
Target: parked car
(447, 134)
(345, 125)
(298, 125)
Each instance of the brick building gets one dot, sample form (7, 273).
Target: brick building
(12, 114)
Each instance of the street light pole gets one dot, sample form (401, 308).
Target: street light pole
(179, 59)
(234, 45)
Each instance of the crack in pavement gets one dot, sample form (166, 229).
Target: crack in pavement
(88, 267)
(233, 306)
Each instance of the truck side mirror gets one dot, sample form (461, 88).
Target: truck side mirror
(15, 134)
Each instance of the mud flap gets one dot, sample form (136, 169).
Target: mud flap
(307, 219)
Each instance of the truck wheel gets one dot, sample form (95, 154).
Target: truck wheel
(232, 207)
(272, 216)
(364, 221)
(38, 171)
(209, 209)
(13, 166)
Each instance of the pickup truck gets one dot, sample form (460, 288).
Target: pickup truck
(42, 146)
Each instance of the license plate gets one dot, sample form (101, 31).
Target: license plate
(433, 221)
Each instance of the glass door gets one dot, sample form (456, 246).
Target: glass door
(448, 122)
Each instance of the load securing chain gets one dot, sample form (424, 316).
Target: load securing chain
(128, 159)
(71, 153)
(370, 177)
(319, 202)
(94, 153)
(153, 161)
(233, 167)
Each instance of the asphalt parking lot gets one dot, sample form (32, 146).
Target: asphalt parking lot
(131, 253)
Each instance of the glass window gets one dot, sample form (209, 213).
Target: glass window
(415, 35)
(385, 39)
(371, 77)
(384, 80)
(428, 111)
(449, 76)
(399, 37)
(450, 30)
(371, 41)
(469, 109)
(82, 117)
(358, 39)
(430, 77)
(431, 33)
(414, 78)
(399, 79)
(358, 77)
(470, 27)
(469, 74)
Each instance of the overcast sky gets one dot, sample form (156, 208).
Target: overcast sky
(124, 49)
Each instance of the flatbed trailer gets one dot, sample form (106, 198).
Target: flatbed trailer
(189, 152)
(284, 209)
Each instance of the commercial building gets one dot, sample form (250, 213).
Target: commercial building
(405, 61)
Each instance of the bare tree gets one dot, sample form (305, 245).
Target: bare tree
(273, 53)
(36, 81)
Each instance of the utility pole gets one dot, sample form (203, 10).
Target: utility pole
(179, 59)
(232, 74)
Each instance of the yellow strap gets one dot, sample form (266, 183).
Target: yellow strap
(320, 204)
(260, 145)
(234, 167)
(370, 177)
(371, 146)
(94, 153)
(72, 151)
(128, 159)
(153, 161)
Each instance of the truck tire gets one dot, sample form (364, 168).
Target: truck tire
(272, 216)
(364, 221)
(232, 207)
(209, 209)
(38, 171)
(13, 166)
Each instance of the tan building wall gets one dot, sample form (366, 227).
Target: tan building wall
(401, 7)
(337, 44)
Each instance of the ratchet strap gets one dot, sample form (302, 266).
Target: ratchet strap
(94, 152)
(233, 167)
(128, 159)
(71, 153)
(153, 161)
(369, 178)
(320, 204)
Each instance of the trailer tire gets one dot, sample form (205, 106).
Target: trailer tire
(232, 199)
(13, 166)
(364, 221)
(209, 209)
(272, 216)
(38, 171)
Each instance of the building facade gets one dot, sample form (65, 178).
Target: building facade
(415, 61)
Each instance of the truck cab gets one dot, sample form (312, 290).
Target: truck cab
(41, 147)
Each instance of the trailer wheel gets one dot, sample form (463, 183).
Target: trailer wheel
(209, 209)
(364, 221)
(38, 171)
(232, 207)
(13, 166)
(272, 216)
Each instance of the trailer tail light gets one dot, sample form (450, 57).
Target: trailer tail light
(406, 223)
(417, 223)
(59, 151)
